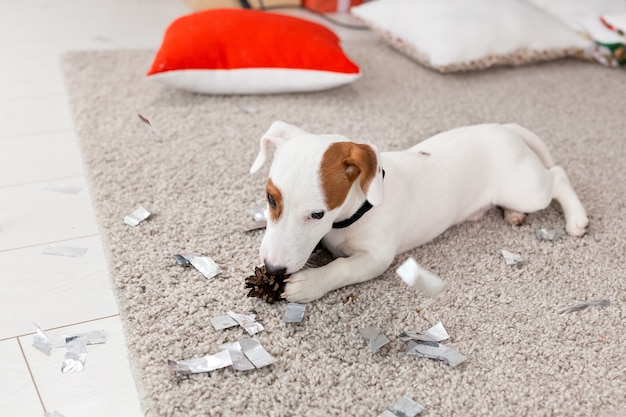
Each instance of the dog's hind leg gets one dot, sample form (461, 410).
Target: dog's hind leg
(534, 187)
(575, 214)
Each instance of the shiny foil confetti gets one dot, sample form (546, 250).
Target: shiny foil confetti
(256, 353)
(247, 320)
(511, 258)
(552, 235)
(375, 338)
(415, 276)
(205, 265)
(64, 251)
(294, 312)
(240, 361)
(62, 188)
(223, 322)
(75, 356)
(404, 407)
(583, 306)
(94, 337)
(41, 341)
(204, 364)
(181, 259)
(259, 213)
(259, 220)
(45, 343)
(140, 214)
(426, 344)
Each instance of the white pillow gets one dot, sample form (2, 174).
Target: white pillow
(575, 12)
(461, 35)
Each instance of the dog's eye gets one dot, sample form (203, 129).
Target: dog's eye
(317, 215)
(271, 201)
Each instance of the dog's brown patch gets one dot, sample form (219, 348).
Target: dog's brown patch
(342, 164)
(274, 194)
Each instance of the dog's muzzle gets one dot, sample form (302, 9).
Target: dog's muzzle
(274, 269)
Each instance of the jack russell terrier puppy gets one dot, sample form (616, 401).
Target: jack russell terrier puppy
(367, 207)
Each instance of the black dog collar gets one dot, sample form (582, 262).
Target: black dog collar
(356, 216)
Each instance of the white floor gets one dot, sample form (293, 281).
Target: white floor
(38, 147)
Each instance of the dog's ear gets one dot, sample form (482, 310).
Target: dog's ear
(277, 134)
(369, 163)
(344, 163)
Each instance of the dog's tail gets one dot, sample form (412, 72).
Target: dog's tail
(534, 142)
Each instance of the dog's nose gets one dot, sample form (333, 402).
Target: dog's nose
(274, 270)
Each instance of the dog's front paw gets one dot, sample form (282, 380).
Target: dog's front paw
(302, 287)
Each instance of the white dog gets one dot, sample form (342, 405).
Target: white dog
(367, 206)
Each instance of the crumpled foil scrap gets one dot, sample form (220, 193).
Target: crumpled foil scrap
(404, 407)
(294, 312)
(247, 320)
(511, 258)
(244, 355)
(552, 234)
(76, 345)
(416, 276)
(375, 338)
(205, 265)
(75, 356)
(140, 214)
(427, 345)
(259, 220)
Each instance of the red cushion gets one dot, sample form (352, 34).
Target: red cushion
(235, 38)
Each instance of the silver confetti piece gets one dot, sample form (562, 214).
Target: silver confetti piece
(205, 265)
(41, 341)
(223, 322)
(259, 213)
(583, 306)
(437, 332)
(374, 337)
(416, 276)
(404, 407)
(240, 362)
(62, 188)
(140, 214)
(552, 235)
(438, 352)
(247, 320)
(426, 344)
(294, 312)
(511, 258)
(204, 364)
(94, 337)
(255, 353)
(181, 260)
(64, 251)
(75, 356)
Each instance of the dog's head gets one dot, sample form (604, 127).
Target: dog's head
(314, 180)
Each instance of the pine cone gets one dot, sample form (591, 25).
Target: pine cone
(266, 287)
